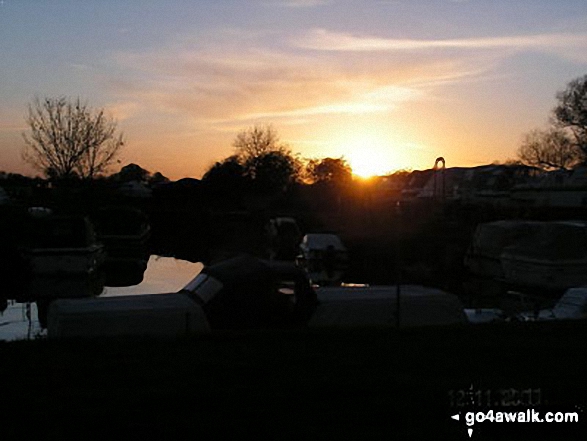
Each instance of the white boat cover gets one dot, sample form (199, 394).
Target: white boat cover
(572, 305)
(319, 241)
(165, 315)
(551, 255)
(376, 306)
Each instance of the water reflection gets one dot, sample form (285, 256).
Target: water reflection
(15, 323)
(162, 275)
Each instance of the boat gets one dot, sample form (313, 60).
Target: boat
(360, 306)
(551, 256)
(61, 246)
(483, 257)
(571, 306)
(323, 257)
(284, 236)
(245, 292)
(554, 258)
(485, 315)
(125, 232)
(62, 259)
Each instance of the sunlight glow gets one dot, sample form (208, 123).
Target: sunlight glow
(368, 155)
(365, 164)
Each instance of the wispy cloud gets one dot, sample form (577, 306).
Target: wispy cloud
(378, 100)
(236, 84)
(324, 40)
(224, 83)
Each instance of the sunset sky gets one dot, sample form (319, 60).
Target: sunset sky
(386, 84)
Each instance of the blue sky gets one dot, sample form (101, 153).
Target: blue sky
(387, 84)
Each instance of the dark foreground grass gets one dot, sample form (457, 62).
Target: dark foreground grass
(327, 384)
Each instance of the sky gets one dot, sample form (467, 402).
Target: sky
(388, 85)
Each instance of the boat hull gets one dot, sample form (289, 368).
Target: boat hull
(65, 261)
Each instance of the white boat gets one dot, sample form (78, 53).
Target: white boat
(323, 257)
(571, 306)
(483, 257)
(545, 255)
(355, 306)
(554, 258)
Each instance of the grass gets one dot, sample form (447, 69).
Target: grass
(305, 384)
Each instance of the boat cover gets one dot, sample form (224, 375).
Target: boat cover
(168, 315)
(377, 306)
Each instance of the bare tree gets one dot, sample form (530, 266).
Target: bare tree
(549, 149)
(69, 138)
(267, 162)
(571, 111)
(257, 141)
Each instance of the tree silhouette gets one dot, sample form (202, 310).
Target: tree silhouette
(227, 175)
(571, 111)
(268, 163)
(256, 141)
(274, 170)
(549, 149)
(70, 139)
(334, 170)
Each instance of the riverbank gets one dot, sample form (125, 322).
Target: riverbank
(350, 384)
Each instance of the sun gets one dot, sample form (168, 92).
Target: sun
(369, 157)
(370, 149)
(367, 163)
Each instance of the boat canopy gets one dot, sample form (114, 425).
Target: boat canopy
(553, 241)
(321, 241)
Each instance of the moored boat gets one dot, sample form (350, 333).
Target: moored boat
(547, 255)
(61, 246)
(323, 257)
(554, 258)
(125, 232)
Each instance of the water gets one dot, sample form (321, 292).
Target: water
(15, 325)
(163, 275)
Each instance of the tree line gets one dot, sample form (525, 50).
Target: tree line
(69, 139)
(263, 161)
